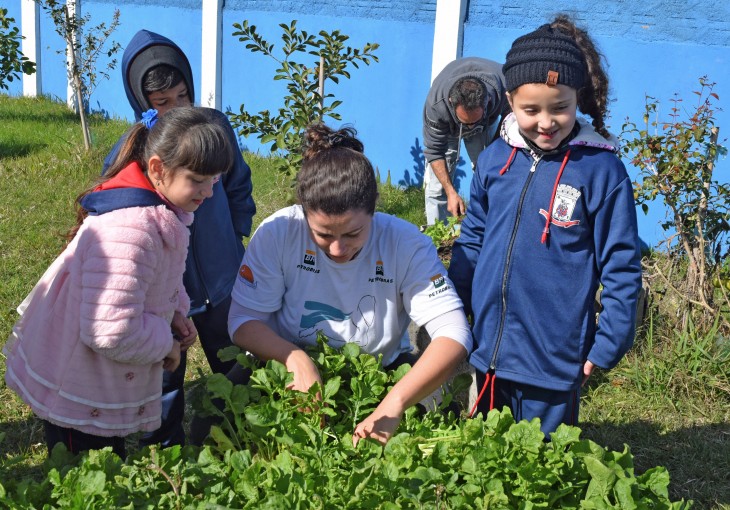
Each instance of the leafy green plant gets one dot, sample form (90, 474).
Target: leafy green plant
(84, 46)
(283, 449)
(676, 157)
(443, 232)
(306, 101)
(13, 62)
(443, 235)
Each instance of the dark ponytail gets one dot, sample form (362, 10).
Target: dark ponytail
(335, 177)
(187, 137)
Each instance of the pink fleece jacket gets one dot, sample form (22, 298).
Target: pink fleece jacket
(87, 351)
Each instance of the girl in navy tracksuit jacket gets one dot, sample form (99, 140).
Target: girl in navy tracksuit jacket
(551, 216)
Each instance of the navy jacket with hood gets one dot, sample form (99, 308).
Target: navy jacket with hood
(533, 301)
(221, 221)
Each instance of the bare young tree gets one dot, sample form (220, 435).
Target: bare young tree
(675, 156)
(84, 46)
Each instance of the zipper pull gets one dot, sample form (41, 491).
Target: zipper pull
(534, 165)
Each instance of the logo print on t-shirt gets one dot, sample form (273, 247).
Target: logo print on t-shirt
(247, 276)
(380, 274)
(565, 199)
(308, 257)
(439, 284)
(379, 268)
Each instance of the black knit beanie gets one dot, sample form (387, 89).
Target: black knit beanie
(546, 55)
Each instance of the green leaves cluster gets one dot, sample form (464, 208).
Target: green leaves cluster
(299, 66)
(12, 60)
(676, 157)
(443, 232)
(443, 235)
(675, 154)
(283, 449)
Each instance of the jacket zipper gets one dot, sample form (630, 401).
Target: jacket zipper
(492, 363)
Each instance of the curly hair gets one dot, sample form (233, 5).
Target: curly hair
(335, 177)
(469, 93)
(593, 96)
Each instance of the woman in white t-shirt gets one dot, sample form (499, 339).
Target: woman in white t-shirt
(332, 265)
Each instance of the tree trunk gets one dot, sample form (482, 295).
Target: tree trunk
(74, 71)
(82, 113)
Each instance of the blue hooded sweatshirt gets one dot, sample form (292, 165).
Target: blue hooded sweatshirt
(216, 235)
(541, 232)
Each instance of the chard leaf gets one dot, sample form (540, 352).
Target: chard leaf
(221, 438)
(602, 481)
(220, 386)
(622, 491)
(657, 480)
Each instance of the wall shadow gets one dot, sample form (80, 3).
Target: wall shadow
(414, 177)
(460, 174)
(99, 111)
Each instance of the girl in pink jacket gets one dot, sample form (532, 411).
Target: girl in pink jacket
(96, 332)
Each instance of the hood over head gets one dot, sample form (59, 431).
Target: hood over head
(145, 51)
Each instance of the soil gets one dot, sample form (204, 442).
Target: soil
(444, 251)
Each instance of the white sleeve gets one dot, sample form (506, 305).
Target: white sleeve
(260, 281)
(426, 289)
(453, 325)
(238, 315)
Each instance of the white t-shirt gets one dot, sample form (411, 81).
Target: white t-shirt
(397, 277)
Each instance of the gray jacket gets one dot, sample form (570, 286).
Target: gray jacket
(439, 118)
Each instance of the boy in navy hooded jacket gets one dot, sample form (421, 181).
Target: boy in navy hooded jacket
(157, 74)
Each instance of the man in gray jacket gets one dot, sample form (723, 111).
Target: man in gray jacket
(466, 101)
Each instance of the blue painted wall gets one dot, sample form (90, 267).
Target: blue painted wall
(382, 101)
(658, 47)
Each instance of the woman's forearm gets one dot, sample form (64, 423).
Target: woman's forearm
(260, 340)
(434, 367)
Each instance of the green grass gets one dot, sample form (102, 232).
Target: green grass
(669, 399)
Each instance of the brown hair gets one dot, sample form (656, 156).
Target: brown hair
(186, 137)
(335, 177)
(593, 96)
